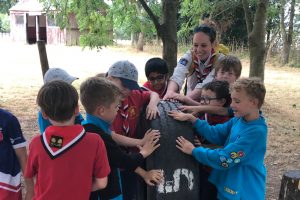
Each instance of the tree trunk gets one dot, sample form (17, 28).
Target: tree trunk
(43, 56)
(290, 186)
(256, 38)
(287, 37)
(140, 43)
(132, 37)
(169, 33)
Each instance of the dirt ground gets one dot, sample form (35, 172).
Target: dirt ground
(21, 77)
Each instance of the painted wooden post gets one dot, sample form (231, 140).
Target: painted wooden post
(181, 171)
(43, 56)
(290, 186)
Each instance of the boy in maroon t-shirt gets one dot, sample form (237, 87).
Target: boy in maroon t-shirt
(67, 162)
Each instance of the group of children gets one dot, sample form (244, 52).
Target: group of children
(101, 156)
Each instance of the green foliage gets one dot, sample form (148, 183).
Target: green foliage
(4, 23)
(5, 5)
(93, 22)
(129, 17)
(191, 12)
(228, 16)
(96, 30)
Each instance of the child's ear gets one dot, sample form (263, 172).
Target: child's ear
(76, 112)
(254, 102)
(100, 110)
(222, 101)
(44, 115)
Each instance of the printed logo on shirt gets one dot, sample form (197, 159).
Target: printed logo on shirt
(1, 134)
(56, 141)
(132, 112)
(230, 191)
(183, 61)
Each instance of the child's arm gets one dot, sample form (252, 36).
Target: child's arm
(249, 149)
(29, 188)
(186, 100)
(99, 183)
(150, 176)
(131, 142)
(217, 110)
(195, 94)
(120, 159)
(214, 134)
(152, 110)
(172, 90)
(182, 116)
(22, 157)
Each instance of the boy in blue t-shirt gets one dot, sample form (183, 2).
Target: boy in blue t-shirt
(51, 75)
(238, 167)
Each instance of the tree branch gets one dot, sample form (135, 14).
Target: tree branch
(152, 16)
(248, 16)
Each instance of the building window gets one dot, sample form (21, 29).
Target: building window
(20, 19)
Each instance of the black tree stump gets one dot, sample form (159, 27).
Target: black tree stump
(290, 186)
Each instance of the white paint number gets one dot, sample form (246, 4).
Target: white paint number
(174, 185)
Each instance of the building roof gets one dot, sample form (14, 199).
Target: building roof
(31, 6)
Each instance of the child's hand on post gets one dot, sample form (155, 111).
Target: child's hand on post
(184, 145)
(153, 177)
(151, 111)
(170, 95)
(180, 97)
(150, 135)
(149, 147)
(182, 116)
(190, 109)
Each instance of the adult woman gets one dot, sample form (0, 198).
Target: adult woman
(196, 65)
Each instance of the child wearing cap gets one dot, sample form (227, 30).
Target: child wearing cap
(125, 75)
(101, 99)
(238, 167)
(51, 75)
(13, 156)
(66, 161)
(156, 70)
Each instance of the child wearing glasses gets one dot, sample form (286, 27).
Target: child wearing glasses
(215, 93)
(238, 166)
(228, 69)
(156, 70)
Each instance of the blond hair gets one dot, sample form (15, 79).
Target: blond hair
(253, 87)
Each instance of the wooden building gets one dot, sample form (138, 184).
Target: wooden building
(29, 23)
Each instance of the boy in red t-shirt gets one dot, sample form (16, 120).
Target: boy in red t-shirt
(156, 70)
(67, 162)
(125, 75)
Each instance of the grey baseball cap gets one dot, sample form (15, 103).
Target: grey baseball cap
(54, 74)
(126, 72)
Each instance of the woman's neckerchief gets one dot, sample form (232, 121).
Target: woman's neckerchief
(203, 69)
